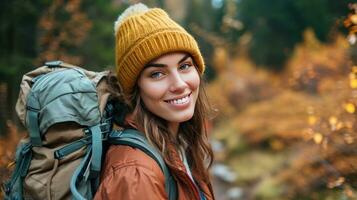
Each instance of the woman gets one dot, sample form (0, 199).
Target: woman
(159, 68)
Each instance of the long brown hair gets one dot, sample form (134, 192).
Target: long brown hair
(192, 134)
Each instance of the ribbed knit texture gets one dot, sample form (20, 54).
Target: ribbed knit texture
(146, 36)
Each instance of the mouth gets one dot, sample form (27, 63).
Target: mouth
(179, 101)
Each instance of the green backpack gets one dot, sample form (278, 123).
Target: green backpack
(69, 118)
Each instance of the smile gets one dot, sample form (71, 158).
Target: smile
(180, 101)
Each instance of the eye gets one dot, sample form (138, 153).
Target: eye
(185, 66)
(156, 75)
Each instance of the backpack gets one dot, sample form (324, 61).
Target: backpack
(69, 117)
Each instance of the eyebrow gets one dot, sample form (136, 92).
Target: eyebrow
(163, 65)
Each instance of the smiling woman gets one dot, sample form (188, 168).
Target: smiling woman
(159, 71)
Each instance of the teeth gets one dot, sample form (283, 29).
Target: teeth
(179, 101)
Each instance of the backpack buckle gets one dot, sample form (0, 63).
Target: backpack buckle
(105, 127)
(115, 134)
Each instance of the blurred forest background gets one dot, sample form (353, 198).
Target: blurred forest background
(282, 75)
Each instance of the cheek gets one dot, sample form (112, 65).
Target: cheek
(151, 93)
(194, 81)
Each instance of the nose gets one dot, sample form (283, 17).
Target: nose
(178, 83)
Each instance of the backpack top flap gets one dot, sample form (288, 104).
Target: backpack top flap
(61, 93)
(66, 95)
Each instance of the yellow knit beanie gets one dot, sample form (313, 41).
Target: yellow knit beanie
(143, 34)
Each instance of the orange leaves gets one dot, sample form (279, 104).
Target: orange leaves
(353, 18)
(309, 119)
(353, 77)
(58, 35)
(8, 144)
(7, 152)
(315, 67)
(351, 23)
(349, 139)
(335, 134)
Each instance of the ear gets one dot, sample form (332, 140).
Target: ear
(129, 120)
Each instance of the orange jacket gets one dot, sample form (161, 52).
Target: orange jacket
(130, 174)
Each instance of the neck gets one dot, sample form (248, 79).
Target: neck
(173, 127)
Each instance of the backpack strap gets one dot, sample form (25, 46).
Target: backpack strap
(81, 173)
(90, 166)
(13, 188)
(33, 109)
(134, 138)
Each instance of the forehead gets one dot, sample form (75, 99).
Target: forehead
(171, 57)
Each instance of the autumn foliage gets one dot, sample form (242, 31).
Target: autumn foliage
(291, 135)
(63, 26)
(287, 135)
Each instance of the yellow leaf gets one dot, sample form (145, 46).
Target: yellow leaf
(312, 120)
(353, 83)
(354, 69)
(11, 164)
(353, 18)
(332, 120)
(350, 107)
(318, 138)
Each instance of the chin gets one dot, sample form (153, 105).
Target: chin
(183, 118)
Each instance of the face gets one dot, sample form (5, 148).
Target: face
(169, 87)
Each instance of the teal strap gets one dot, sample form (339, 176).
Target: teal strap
(78, 175)
(103, 128)
(91, 164)
(131, 137)
(26, 163)
(33, 108)
(134, 138)
(96, 151)
(72, 147)
(13, 188)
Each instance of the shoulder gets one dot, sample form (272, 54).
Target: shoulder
(120, 157)
(130, 174)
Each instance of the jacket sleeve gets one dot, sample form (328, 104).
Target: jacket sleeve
(132, 182)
